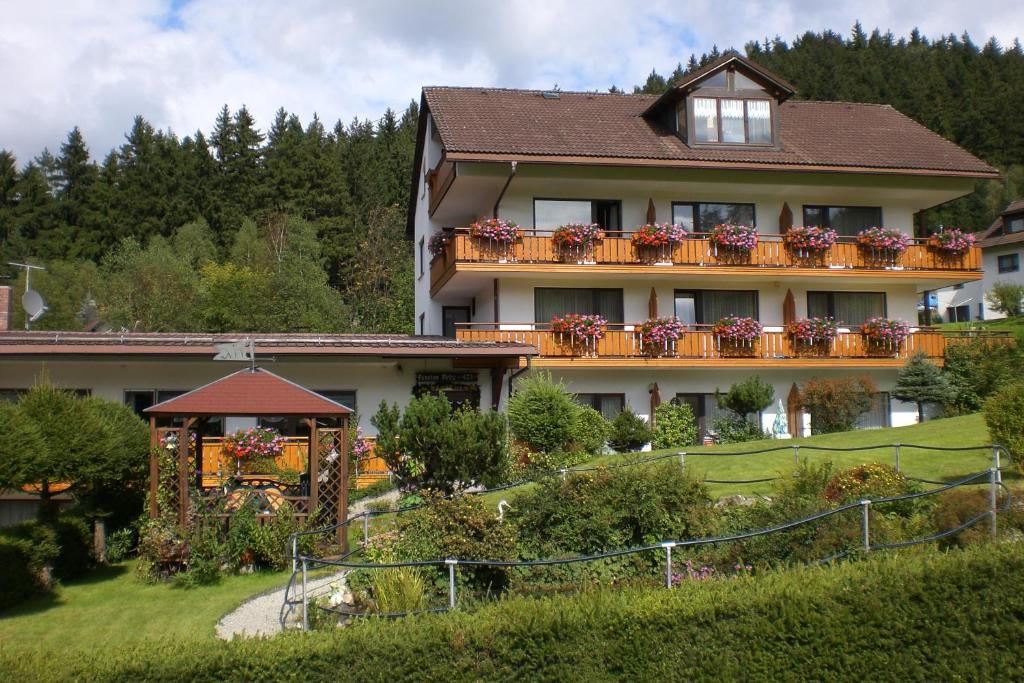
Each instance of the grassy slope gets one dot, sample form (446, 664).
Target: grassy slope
(1003, 324)
(111, 608)
(968, 430)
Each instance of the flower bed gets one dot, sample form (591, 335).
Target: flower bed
(952, 241)
(658, 235)
(885, 332)
(887, 240)
(495, 229)
(579, 330)
(812, 331)
(659, 335)
(812, 239)
(438, 241)
(734, 237)
(255, 443)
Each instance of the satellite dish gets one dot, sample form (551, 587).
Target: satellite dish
(33, 304)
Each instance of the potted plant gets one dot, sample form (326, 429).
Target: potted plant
(579, 332)
(654, 241)
(883, 244)
(737, 333)
(733, 240)
(253, 445)
(498, 235)
(810, 242)
(951, 241)
(658, 336)
(575, 241)
(813, 333)
(885, 334)
(438, 242)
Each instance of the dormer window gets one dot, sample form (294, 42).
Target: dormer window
(732, 121)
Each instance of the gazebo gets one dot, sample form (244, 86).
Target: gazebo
(181, 459)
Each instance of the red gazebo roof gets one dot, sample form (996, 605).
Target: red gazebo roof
(250, 393)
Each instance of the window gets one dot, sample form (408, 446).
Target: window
(609, 405)
(551, 301)
(1009, 263)
(423, 322)
(11, 395)
(958, 314)
(346, 397)
(851, 308)
(845, 220)
(732, 120)
(423, 241)
(702, 217)
(451, 315)
(706, 307)
(878, 415)
(550, 213)
(705, 410)
(1015, 224)
(140, 399)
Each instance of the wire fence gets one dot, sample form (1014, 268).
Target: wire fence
(303, 564)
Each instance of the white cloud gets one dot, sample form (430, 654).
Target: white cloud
(97, 64)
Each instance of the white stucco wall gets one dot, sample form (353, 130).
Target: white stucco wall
(990, 263)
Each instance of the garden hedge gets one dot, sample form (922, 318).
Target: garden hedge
(916, 615)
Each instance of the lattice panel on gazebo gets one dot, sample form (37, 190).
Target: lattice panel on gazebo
(169, 493)
(330, 480)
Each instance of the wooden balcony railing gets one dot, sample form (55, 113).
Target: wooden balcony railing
(536, 247)
(774, 344)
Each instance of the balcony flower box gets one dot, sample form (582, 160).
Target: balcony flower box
(654, 242)
(885, 335)
(813, 334)
(575, 241)
(733, 241)
(439, 242)
(498, 236)
(580, 333)
(658, 336)
(737, 334)
(883, 245)
(952, 242)
(810, 242)
(254, 447)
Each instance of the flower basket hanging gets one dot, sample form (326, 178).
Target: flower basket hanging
(497, 236)
(579, 333)
(885, 335)
(439, 242)
(733, 241)
(952, 242)
(737, 335)
(883, 245)
(813, 334)
(654, 241)
(253, 446)
(810, 243)
(658, 336)
(575, 241)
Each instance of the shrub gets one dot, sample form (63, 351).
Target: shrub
(835, 404)
(752, 395)
(873, 480)
(736, 429)
(956, 508)
(74, 537)
(120, 545)
(976, 368)
(1005, 297)
(920, 381)
(27, 551)
(541, 413)
(589, 431)
(1004, 415)
(628, 432)
(601, 510)
(675, 426)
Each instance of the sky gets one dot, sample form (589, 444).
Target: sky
(97, 64)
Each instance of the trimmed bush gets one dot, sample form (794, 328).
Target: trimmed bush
(674, 426)
(736, 429)
(74, 537)
(858, 621)
(835, 404)
(542, 413)
(589, 431)
(752, 395)
(1004, 415)
(628, 432)
(27, 552)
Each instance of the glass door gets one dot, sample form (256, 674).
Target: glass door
(686, 308)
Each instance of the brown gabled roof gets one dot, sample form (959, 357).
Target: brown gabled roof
(578, 127)
(181, 344)
(989, 238)
(250, 392)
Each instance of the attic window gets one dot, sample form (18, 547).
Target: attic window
(732, 121)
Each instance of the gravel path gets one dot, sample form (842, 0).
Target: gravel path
(264, 616)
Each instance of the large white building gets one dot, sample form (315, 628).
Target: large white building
(728, 145)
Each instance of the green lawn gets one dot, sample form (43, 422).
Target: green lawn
(111, 608)
(968, 430)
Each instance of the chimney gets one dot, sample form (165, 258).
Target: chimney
(6, 308)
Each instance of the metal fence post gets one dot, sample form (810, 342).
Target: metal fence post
(668, 545)
(451, 582)
(305, 600)
(682, 461)
(897, 447)
(993, 496)
(865, 523)
(996, 464)
(366, 528)
(563, 471)
(295, 553)
(796, 456)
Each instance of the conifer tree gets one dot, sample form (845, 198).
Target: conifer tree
(920, 381)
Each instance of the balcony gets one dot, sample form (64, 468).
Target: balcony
(622, 346)
(535, 252)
